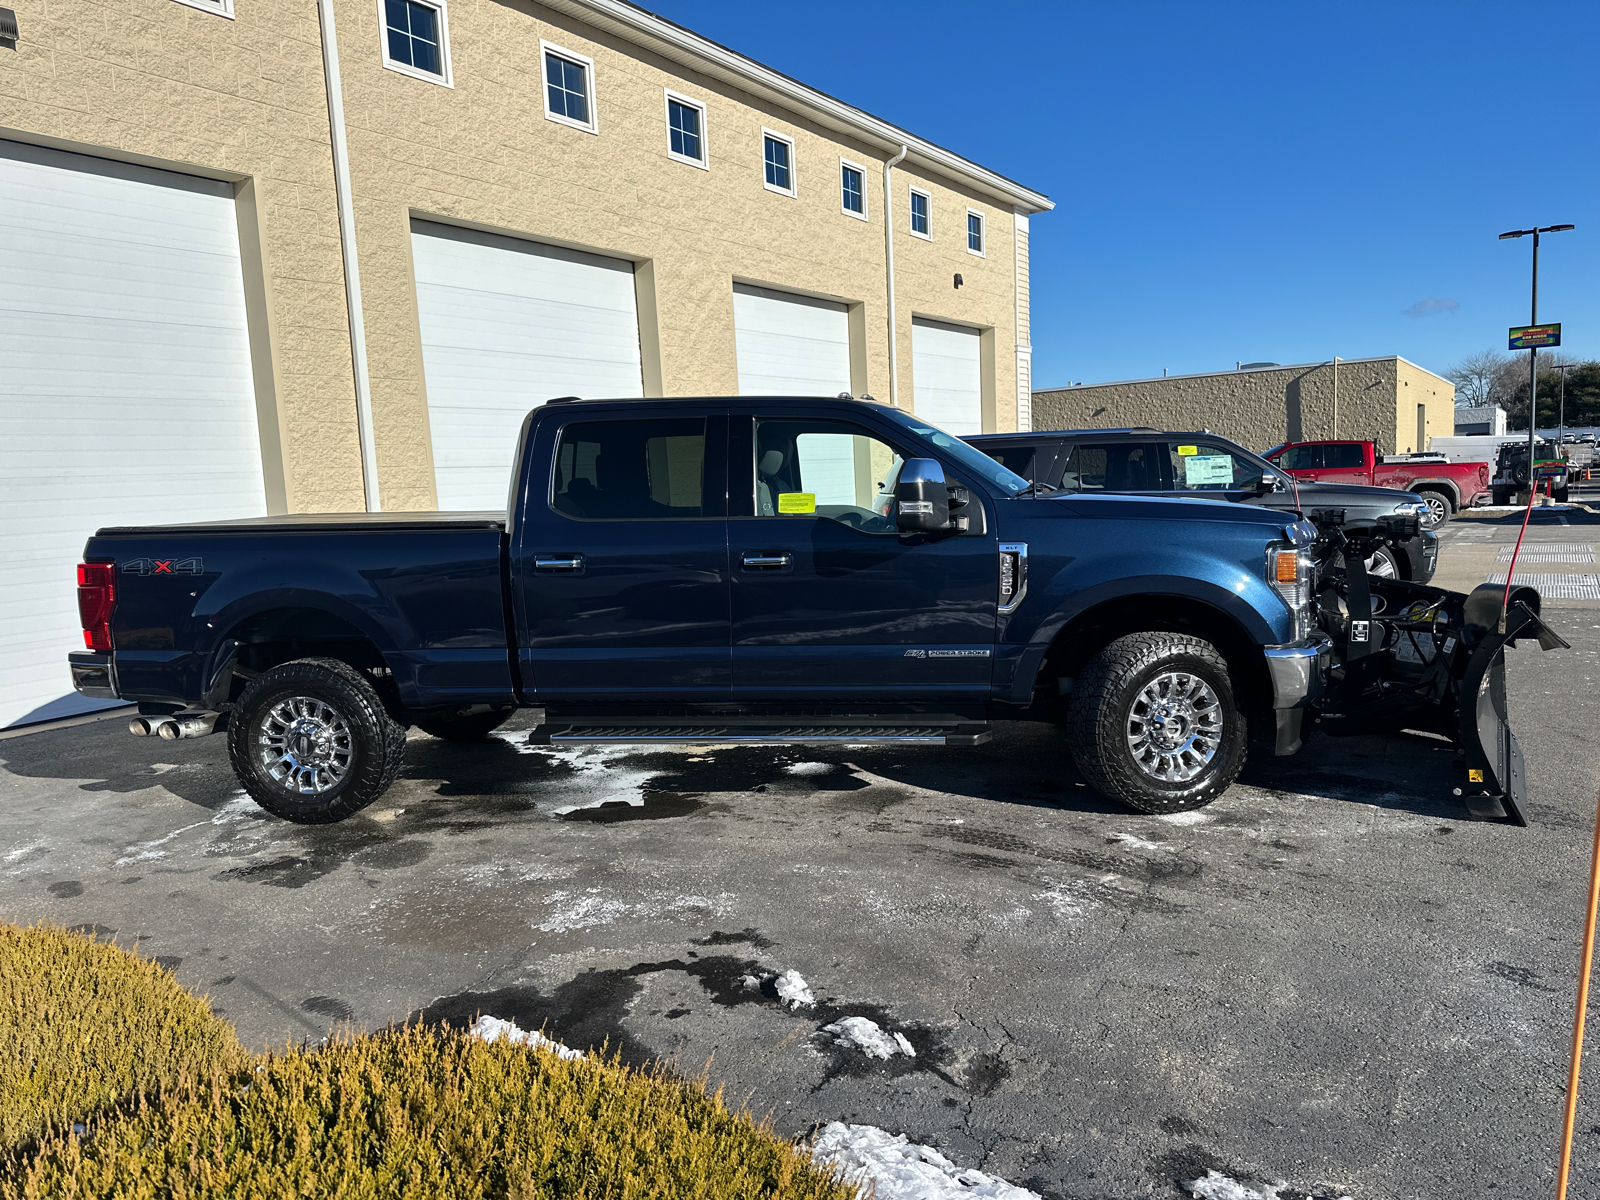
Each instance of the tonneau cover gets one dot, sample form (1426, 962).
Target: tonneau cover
(327, 523)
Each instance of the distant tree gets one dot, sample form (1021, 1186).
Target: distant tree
(1475, 376)
(1583, 394)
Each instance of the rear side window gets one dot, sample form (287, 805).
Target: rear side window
(1301, 458)
(1344, 457)
(630, 470)
(1017, 459)
(1113, 467)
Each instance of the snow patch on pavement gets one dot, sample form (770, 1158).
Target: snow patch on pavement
(867, 1036)
(809, 768)
(792, 989)
(1067, 900)
(1217, 1186)
(899, 1169)
(149, 851)
(590, 908)
(1193, 817)
(1138, 843)
(493, 1028)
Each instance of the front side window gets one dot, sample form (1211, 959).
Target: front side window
(919, 213)
(630, 470)
(685, 131)
(974, 232)
(1200, 467)
(822, 468)
(850, 196)
(414, 37)
(1113, 467)
(929, 441)
(566, 84)
(778, 159)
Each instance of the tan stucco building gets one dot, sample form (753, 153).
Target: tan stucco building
(266, 256)
(1390, 401)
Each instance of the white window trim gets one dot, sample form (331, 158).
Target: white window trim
(794, 173)
(217, 8)
(704, 161)
(438, 6)
(928, 196)
(593, 123)
(983, 234)
(865, 207)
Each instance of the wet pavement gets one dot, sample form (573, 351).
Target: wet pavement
(1330, 977)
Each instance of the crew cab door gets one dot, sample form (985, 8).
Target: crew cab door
(620, 571)
(830, 601)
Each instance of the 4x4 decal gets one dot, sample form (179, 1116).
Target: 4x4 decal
(163, 566)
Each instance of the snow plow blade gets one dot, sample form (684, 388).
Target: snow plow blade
(1413, 657)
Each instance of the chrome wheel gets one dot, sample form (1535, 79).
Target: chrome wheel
(1438, 510)
(305, 746)
(1174, 727)
(1381, 566)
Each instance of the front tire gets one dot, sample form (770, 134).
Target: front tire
(1153, 723)
(311, 742)
(1383, 564)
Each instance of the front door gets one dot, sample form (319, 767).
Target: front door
(622, 563)
(831, 603)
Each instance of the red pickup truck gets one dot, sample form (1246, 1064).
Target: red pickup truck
(1445, 486)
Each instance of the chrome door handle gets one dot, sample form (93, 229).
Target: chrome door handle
(766, 562)
(565, 563)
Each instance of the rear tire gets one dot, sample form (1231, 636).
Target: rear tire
(1153, 723)
(311, 742)
(463, 727)
(1439, 509)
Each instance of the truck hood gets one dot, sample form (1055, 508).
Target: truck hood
(1172, 508)
(1352, 495)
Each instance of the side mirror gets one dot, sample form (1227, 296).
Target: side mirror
(1270, 484)
(922, 499)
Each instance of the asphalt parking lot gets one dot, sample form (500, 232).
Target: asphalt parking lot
(1331, 977)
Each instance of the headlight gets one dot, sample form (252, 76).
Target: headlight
(1411, 506)
(1291, 572)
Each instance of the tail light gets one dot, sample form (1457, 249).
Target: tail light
(1483, 474)
(97, 595)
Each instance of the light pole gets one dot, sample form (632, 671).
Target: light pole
(1533, 353)
(1561, 435)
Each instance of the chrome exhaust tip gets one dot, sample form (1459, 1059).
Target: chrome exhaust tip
(140, 727)
(191, 727)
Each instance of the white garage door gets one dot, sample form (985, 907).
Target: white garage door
(946, 378)
(125, 387)
(506, 325)
(790, 345)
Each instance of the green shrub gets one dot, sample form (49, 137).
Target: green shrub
(84, 1024)
(423, 1114)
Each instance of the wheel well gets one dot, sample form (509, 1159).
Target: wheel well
(268, 639)
(1091, 631)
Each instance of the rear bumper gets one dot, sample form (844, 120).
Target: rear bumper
(94, 674)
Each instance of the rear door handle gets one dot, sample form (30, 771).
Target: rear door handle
(559, 564)
(753, 560)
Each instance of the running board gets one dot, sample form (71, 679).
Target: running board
(770, 733)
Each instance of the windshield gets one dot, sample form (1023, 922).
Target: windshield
(970, 458)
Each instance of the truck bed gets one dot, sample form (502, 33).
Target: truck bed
(325, 522)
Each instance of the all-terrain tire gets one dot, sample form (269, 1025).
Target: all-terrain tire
(327, 712)
(463, 727)
(1110, 693)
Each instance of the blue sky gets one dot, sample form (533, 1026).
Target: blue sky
(1279, 182)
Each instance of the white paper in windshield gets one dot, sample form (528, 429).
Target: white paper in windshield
(1208, 470)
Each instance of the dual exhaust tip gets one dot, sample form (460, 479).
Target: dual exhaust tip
(173, 729)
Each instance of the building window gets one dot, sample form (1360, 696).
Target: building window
(415, 39)
(852, 199)
(568, 87)
(919, 213)
(686, 130)
(974, 233)
(777, 154)
(222, 8)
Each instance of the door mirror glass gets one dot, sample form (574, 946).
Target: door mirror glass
(922, 499)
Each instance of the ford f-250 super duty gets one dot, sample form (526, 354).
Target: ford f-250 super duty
(786, 570)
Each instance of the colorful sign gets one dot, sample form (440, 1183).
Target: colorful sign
(797, 502)
(1532, 337)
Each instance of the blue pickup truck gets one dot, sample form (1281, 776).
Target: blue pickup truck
(783, 570)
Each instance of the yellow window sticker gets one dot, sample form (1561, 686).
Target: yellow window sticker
(797, 502)
(1188, 450)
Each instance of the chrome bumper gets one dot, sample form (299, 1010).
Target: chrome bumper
(1297, 671)
(94, 674)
